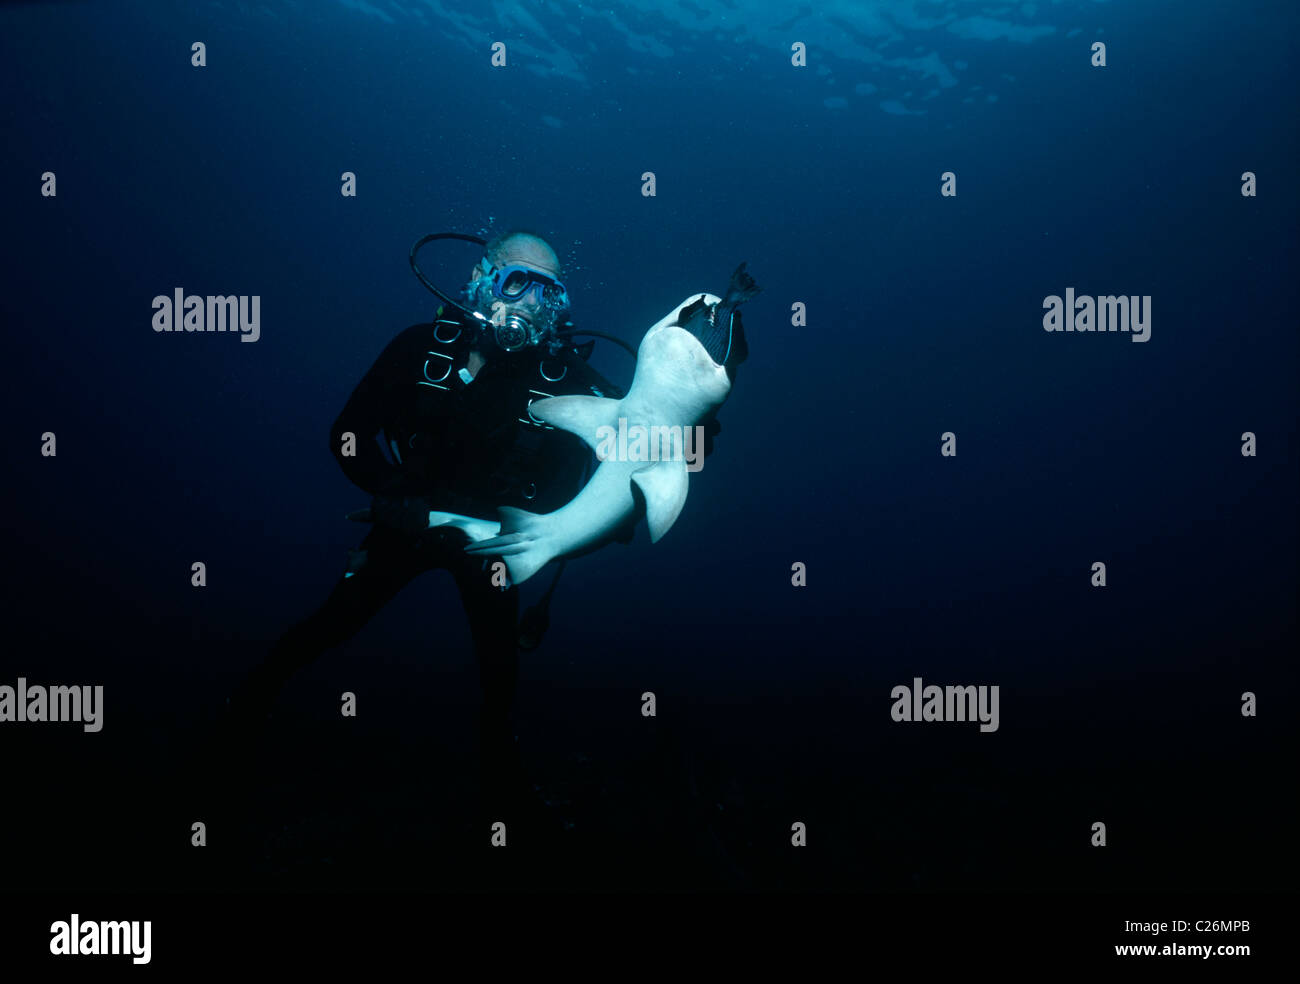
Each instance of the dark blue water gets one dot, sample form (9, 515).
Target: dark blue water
(923, 316)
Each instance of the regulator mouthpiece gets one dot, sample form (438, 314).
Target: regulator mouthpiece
(512, 334)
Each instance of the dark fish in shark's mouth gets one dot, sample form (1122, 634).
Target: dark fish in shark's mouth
(712, 323)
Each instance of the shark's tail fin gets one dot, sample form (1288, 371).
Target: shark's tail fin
(520, 544)
(741, 289)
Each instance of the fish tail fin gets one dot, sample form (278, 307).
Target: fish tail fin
(741, 288)
(475, 529)
(521, 544)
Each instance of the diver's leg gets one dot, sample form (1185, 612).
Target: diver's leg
(385, 562)
(494, 625)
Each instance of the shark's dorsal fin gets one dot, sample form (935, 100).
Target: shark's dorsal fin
(663, 485)
(581, 415)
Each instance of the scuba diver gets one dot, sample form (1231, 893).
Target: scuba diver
(441, 421)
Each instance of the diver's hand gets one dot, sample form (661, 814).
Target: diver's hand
(405, 513)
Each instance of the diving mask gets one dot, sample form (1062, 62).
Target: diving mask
(513, 283)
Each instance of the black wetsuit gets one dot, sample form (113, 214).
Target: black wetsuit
(425, 438)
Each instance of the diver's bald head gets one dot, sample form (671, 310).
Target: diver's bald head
(523, 249)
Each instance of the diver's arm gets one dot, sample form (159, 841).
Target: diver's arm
(363, 416)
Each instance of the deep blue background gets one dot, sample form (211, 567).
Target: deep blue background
(924, 316)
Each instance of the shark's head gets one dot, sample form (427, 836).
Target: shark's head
(672, 360)
(675, 317)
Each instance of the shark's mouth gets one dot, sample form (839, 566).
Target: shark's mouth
(709, 319)
(716, 338)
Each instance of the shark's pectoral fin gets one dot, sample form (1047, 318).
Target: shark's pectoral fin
(518, 545)
(663, 486)
(581, 415)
